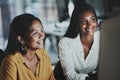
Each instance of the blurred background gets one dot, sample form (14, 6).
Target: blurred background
(55, 16)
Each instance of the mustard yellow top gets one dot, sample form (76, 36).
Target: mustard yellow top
(14, 68)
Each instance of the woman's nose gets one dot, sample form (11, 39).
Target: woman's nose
(41, 35)
(89, 24)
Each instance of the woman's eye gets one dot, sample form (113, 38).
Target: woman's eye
(35, 34)
(93, 19)
(83, 21)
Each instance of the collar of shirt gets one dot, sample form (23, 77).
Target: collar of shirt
(39, 54)
(95, 44)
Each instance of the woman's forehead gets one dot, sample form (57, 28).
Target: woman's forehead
(87, 13)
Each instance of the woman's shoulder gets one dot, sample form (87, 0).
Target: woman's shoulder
(67, 43)
(66, 40)
(10, 57)
(97, 33)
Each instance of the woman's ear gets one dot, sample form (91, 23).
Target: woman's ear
(20, 40)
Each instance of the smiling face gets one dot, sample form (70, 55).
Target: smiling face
(35, 36)
(88, 23)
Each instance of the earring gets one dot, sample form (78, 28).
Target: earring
(23, 47)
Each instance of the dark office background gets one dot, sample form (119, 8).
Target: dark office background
(55, 16)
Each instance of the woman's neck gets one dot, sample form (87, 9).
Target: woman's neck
(30, 55)
(31, 60)
(86, 40)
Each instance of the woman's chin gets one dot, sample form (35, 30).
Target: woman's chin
(90, 33)
(41, 46)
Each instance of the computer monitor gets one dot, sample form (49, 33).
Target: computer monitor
(109, 63)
